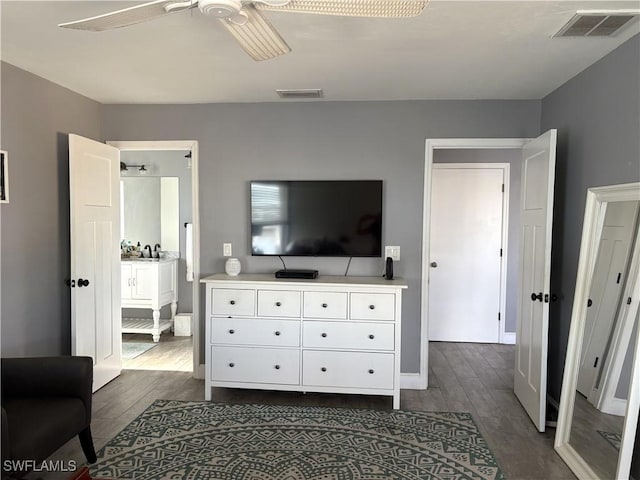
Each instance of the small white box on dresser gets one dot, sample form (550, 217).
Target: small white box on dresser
(332, 334)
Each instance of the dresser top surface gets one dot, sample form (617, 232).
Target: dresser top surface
(330, 280)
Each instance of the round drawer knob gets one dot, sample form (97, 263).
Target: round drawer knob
(324, 369)
(323, 335)
(372, 307)
(324, 305)
(372, 337)
(232, 365)
(277, 367)
(232, 302)
(277, 333)
(278, 304)
(232, 331)
(371, 371)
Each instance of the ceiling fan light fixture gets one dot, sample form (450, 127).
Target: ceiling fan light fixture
(220, 8)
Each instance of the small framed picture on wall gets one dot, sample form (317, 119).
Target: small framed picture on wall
(4, 177)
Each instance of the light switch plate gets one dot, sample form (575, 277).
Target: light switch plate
(393, 252)
(226, 250)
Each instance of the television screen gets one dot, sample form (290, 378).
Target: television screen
(335, 218)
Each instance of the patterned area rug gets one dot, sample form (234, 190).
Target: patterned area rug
(204, 440)
(134, 349)
(614, 439)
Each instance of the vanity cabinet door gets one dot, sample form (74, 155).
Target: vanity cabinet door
(125, 281)
(143, 281)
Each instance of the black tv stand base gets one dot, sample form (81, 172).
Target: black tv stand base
(297, 273)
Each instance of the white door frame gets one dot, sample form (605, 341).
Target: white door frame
(420, 381)
(192, 145)
(505, 167)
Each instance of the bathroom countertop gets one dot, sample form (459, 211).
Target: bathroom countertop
(168, 258)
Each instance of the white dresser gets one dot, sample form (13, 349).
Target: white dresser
(150, 284)
(331, 334)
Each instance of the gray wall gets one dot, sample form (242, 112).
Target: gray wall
(597, 114)
(624, 382)
(320, 140)
(514, 159)
(37, 115)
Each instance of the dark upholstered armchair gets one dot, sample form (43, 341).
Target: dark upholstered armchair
(46, 401)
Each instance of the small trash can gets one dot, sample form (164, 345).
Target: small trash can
(182, 325)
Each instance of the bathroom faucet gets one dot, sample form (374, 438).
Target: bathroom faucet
(156, 250)
(148, 247)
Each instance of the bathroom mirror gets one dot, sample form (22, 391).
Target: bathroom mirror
(150, 211)
(600, 398)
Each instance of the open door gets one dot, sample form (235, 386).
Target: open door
(530, 372)
(95, 256)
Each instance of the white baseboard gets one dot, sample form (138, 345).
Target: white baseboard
(509, 338)
(412, 381)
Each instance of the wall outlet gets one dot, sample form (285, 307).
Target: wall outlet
(393, 252)
(226, 250)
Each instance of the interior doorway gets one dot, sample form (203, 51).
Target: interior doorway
(159, 190)
(469, 225)
(537, 164)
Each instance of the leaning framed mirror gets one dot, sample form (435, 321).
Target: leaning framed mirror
(600, 397)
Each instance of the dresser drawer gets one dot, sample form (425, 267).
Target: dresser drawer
(278, 303)
(325, 305)
(347, 369)
(228, 301)
(350, 335)
(255, 365)
(372, 306)
(251, 331)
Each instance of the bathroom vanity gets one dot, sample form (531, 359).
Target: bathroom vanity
(149, 283)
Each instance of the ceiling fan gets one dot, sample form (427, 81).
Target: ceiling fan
(244, 20)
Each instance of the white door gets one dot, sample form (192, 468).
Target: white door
(465, 253)
(530, 373)
(95, 255)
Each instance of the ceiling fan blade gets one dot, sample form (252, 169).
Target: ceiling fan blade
(257, 36)
(130, 16)
(351, 8)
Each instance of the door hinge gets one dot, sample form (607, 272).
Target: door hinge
(629, 301)
(595, 364)
(498, 316)
(500, 252)
(618, 279)
(503, 188)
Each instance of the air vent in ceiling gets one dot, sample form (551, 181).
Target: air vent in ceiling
(300, 93)
(596, 23)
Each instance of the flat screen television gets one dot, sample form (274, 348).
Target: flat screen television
(333, 218)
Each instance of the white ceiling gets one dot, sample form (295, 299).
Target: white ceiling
(454, 50)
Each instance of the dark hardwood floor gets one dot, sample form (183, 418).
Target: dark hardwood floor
(476, 378)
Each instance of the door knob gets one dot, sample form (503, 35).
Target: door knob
(434, 264)
(535, 297)
(83, 283)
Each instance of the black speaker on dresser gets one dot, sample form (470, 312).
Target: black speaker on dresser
(388, 269)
